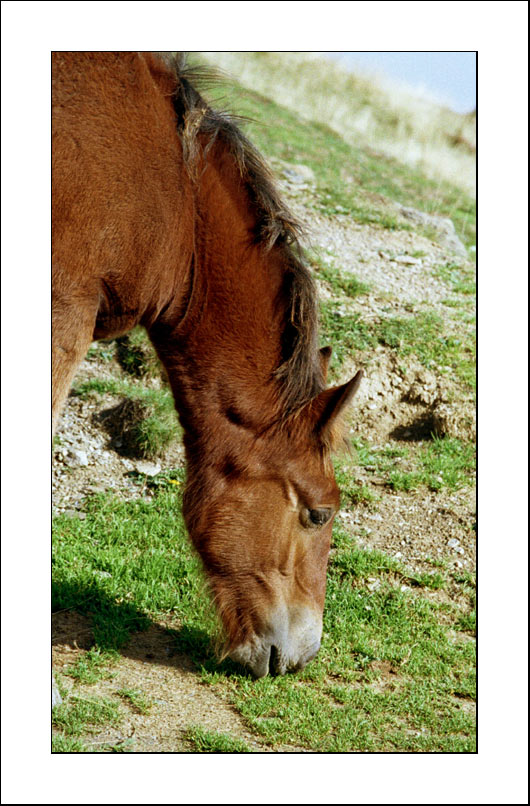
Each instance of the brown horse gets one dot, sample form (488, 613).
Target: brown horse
(165, 215)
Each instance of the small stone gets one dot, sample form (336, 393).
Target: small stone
(78, 458)
(148, 468)
(453, 542)
(56, 697)
(299, 174)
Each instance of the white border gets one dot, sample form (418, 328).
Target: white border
(30, 31)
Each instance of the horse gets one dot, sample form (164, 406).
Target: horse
(166, 216)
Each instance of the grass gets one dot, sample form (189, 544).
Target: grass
(351, 179)
(437, 463)
(146, 420)
(81, 714)
(423, 335)
(137, 356)
(443, 462)
(136, 699)
(389, 675)
(92, 666)
(339, 283)
(209, 741)
(362, 111)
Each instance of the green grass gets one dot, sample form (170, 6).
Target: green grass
(387, 652)
(209, 741)
(340, 283)
(67, 744)
(136, 699)
(92, 666)
(345, 332)
(136, 355)
(423, 335)
(461, 279)
(148, 422)
(80, 714)
(443, 462)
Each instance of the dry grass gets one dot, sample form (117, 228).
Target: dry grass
(362, 109)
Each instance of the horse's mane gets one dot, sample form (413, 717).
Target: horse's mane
(299, 373)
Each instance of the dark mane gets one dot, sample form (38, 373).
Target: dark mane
(299, 373)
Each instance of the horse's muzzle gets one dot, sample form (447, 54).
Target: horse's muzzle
(291, 640)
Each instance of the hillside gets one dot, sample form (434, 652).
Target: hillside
(133, 628)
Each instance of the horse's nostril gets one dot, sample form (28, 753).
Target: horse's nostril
(274, 659)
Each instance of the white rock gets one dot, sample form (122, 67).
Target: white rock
(148, 468)
(78, 458)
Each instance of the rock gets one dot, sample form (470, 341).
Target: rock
(444, 228)
(407, 260)
(147, 468)
(56, 697)
(298, 174)
(77, 458)
(453, 542)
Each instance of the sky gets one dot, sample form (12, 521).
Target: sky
(448, 76)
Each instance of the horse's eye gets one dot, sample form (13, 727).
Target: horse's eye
(318, 517)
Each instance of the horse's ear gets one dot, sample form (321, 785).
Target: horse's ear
(325, 355)
(327, 407)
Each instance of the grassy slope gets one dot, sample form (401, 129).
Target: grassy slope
(396, 669)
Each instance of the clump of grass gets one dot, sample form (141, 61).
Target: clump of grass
(461, 278)
(144, 423)
(352, 492)
(103, 350)
(140, 703)
(209, 741)
(92, 666)
(468, 622)
(79, 715)
(136, 355)
(67, 744)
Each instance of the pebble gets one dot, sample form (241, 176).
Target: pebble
(147, 468)
(78, 458)
(453, 542)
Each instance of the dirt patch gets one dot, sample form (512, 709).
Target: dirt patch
(149, 664)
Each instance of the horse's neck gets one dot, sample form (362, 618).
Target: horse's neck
(222, 356)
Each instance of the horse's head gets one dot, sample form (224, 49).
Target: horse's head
(261, 520)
